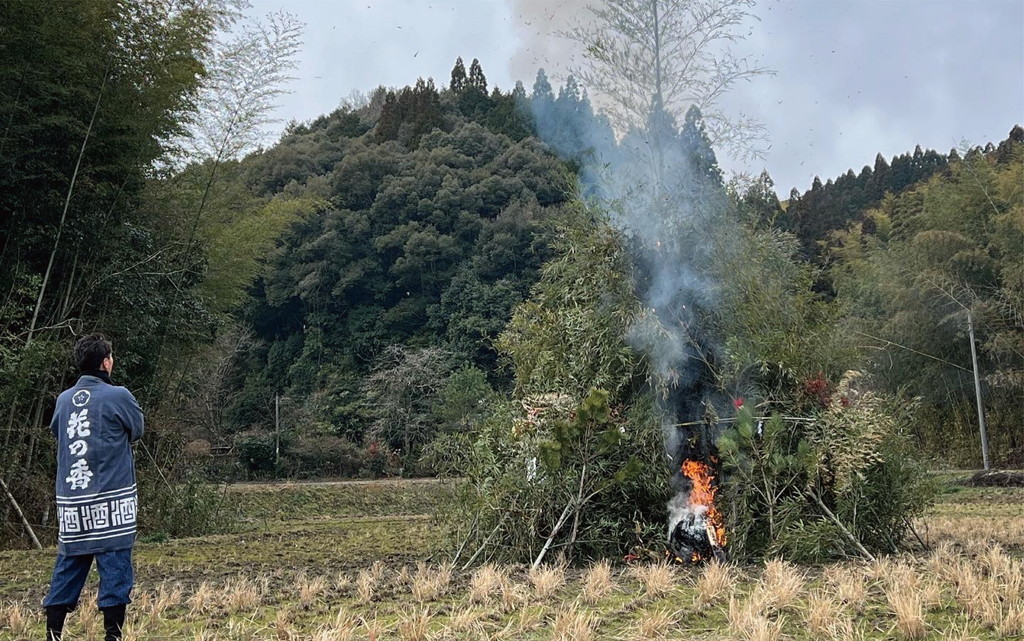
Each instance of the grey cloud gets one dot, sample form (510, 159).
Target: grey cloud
(853, 78)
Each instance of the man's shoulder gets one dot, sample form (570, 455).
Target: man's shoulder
(122, 393)
(117, 392)
(103, 389)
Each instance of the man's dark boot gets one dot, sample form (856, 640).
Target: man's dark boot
(113, 622)
(55, 615)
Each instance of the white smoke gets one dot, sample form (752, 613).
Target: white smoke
(667, 211)
(537, 25)
(690, 517)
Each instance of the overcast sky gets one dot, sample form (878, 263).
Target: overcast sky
(853, 78)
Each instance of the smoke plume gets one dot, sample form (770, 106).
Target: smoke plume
(661, 188)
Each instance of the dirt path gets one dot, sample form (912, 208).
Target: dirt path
(274, 485)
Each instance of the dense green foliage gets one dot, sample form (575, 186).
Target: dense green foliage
(98, 103)
(948, 248)
(437, 228)
(806, 489)
(822, 209)
(91, 98)
(578, 455)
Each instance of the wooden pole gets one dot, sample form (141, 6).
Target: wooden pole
(977, 393)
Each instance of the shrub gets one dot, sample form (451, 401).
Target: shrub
(190, 507)
(577, 456)
(257, 451)
(313, 456)
(803, 489)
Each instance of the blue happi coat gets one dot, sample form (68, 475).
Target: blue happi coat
(97, 501)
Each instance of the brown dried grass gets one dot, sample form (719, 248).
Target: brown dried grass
(843, 629)
(573, 625)
(343, 628)
(941, 558)
(310, 590)
(132, 631)
(166, 598)
(89, 618)
(202, 600)
(366, 585)
(782, 584)
(932, 595)
(17, 619)
(463, 620)
(374, 628)
(429, 583)
(848, 585)
(597, 582)
(822, 611)
(546, 580)
(283, 624)
(657, 579)
(241, 594)
(487, 582)
(748, 620)
(414, 626)
(654, 625)
(959, 631)
(905, 602)
(716, 582)
(964, 530)
(1012, 622)
(513, 597)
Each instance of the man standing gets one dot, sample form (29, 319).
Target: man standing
(95, 423)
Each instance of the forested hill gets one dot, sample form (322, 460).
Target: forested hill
(439, 218)
(405, 271)
(828, 207)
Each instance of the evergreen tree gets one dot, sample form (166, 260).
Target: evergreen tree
(476, 79)
(458, 82)
(542, 92)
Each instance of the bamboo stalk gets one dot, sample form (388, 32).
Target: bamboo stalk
(484, 544)
(24, 521)
(67, 203)
(547, 544)
(794, 419)
(842, 528)
(469, 535)
(576, 513)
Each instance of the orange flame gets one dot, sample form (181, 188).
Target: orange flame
(703, 493)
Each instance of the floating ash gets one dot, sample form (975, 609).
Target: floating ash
(696, 529)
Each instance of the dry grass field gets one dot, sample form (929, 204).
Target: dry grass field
(341, 562)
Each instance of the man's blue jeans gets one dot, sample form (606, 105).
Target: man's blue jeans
(70, 573)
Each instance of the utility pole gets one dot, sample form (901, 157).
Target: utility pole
(977, 392)
(276, 430)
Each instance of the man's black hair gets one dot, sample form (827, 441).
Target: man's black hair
(90, 351)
